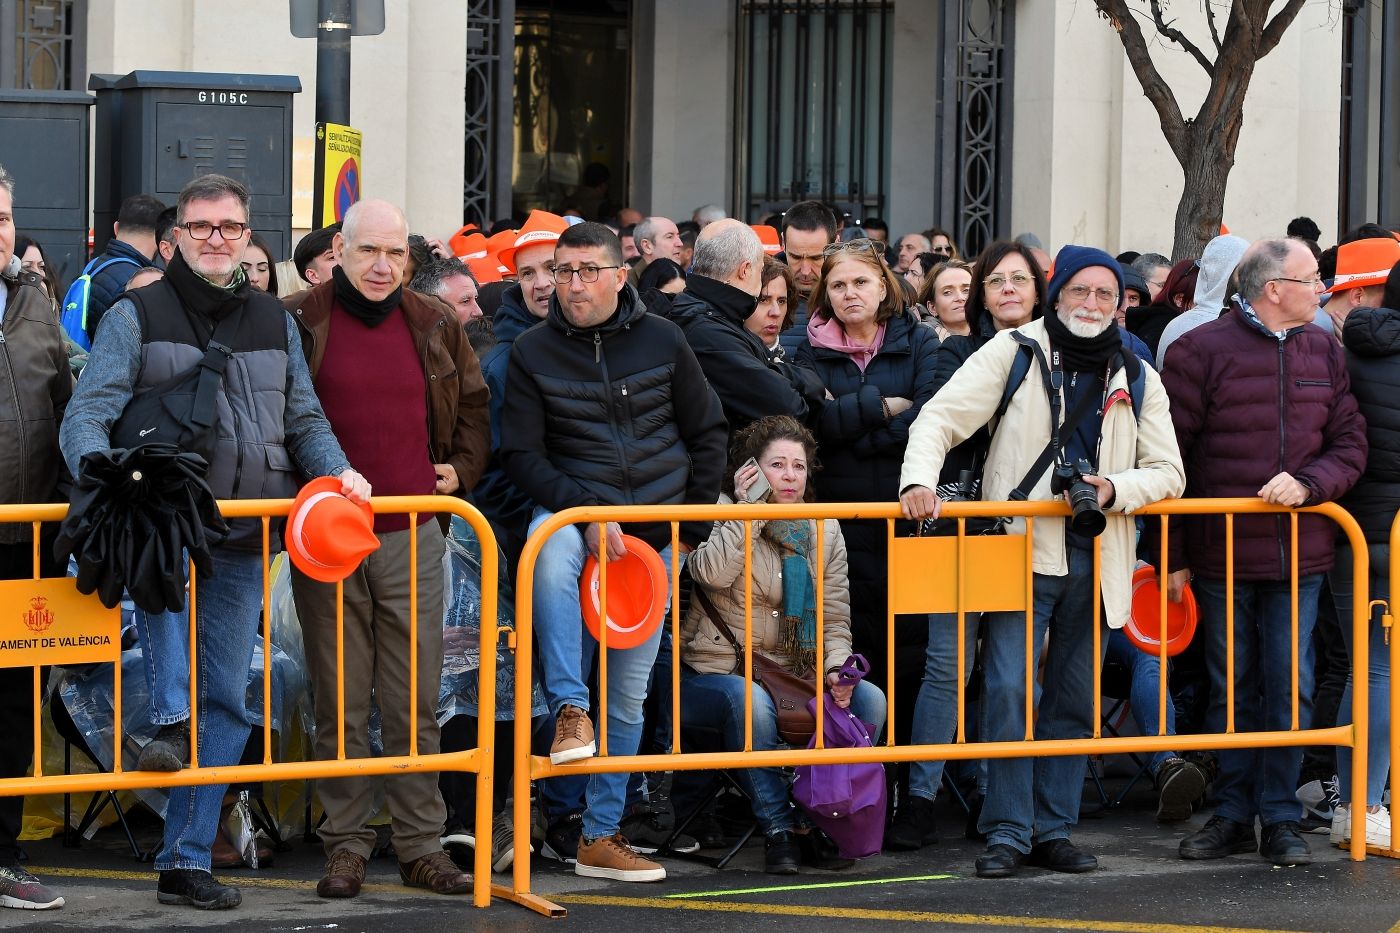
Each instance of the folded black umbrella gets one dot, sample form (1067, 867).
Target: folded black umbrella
(133, 517)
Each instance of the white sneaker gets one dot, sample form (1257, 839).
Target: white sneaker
(1377, 828)
(1340, 833)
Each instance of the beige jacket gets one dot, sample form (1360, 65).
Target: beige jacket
(1139, 456)
(718, 566)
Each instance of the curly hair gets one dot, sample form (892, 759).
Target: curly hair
(754, 439)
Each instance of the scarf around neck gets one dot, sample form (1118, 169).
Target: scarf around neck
(202, 296)
(1083, 354)
(798, 636)
(371, 313)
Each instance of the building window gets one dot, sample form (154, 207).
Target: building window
(43, 44)
(815, 99)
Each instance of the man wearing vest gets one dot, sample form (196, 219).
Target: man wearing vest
(1092, 430)
(403, 391)
(270, 425)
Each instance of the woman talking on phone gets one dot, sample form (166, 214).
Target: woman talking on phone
(775, 456)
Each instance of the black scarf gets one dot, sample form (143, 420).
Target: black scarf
(203, 297)
(372, 313)
(1083, 354)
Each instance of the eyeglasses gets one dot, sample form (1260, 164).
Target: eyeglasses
(858, 245)
(1106, 296)
(203, 230)
(1019, 279)
(1312, 282)
(563, 275)
(941, 250)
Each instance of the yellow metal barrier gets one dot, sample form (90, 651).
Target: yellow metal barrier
(478, 760)
(992, 574)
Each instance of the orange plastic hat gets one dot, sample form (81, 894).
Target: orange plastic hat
(637, 588)
(498, 242)
(458, 241)
(540, 227)
(768, 236)
(1144, 628)
(1365, 262)
(328, 535)
(471, 245)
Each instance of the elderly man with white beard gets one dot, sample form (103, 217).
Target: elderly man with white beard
(1088, 421)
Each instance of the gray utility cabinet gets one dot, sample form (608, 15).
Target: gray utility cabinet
(44, 146)
(157, 130)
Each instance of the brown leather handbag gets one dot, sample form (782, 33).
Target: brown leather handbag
(790, 693)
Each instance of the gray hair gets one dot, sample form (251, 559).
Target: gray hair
(1029, 240)
(211, 188)
(432, 276)
(1148, 263)
(719, 255)
(647, 229)
(7, 181)
(708, 214)
(1260, 265)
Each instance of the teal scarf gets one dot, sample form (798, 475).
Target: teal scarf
(798, 639)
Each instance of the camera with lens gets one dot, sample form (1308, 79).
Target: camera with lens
(1086, 517)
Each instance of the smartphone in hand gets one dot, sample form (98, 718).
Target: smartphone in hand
(761, 490)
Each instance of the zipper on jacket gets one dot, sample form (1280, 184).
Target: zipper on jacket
(1304, 383)
(1282, 457)
(19, 413)
(613, 427)
(598, 350)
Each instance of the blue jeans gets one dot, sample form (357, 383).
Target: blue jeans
(716, 702)
(1034, 800)
(229, 602)
(1144, 679)
(1259, 782)
(566, 651)
(936, 707)
(1378, 674)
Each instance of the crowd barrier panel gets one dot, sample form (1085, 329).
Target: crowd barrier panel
(26, 611)
(991, 572)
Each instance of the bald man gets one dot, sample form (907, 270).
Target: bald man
(402, 389)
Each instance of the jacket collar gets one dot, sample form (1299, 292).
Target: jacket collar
(898, 334)
(629, 310)
(313, 307)
(512, 318)
(1247, 316)
(734, 304)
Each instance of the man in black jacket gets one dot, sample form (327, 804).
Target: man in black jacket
(605, 405)
(132, 247)
(719, 297)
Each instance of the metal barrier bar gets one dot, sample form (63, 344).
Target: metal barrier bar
(478, 760)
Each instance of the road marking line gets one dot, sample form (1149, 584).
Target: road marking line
(897, 916)
(808, 887)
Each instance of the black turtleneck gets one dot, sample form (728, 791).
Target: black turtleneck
(372, 313)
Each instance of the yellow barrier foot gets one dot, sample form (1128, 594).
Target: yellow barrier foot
(529, 901)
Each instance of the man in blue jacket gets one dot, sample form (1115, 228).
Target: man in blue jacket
(133, 246)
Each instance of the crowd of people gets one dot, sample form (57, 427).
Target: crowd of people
(553, 362)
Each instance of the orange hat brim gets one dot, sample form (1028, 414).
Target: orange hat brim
(302, 561)
(641, 567)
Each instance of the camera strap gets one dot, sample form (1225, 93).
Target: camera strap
(1054, 382)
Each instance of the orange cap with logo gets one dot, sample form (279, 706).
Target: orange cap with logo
(540, 227)
(1364, 262)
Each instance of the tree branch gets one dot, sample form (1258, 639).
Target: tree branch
(1154, 88)
(1210, 21)
(1277, 26)
(1176, 35)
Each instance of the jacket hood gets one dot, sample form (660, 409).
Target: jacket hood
(512, 318)
(1372, 332)
(629, 310)
(1217, 262)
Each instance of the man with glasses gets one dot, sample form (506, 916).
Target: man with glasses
(270, 427)
(1262, 407)
(606, 405)
(1093, 421)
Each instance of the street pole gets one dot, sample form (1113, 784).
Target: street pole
(333, 61)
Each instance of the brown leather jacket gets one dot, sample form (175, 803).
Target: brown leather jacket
(459, 420)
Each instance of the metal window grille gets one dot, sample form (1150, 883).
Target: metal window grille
(815, 101)
(43, 44)
(486, 177)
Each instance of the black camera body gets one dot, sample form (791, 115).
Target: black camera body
(1086, 517)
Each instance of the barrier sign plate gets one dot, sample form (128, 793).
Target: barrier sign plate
(50, 622)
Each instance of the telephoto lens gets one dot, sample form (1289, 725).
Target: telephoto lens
(1086, 518)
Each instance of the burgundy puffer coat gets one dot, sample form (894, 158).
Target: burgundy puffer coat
(1248, 406)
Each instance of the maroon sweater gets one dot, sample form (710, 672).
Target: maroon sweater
(371, 386)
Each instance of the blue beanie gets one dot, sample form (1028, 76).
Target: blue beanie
(1070, 261)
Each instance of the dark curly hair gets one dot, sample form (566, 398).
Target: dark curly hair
(753, 440)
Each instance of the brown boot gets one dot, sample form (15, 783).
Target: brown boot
(437, 872)
(345, 872)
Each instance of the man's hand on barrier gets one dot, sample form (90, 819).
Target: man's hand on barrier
(919, 503)
(840, 690)
(353, 486)
(616, 549)
(447, 481)
(1284, 490)
(1176, 584)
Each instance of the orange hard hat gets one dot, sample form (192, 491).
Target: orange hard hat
(1365, 262)
(637, 594)
(328, 535)
(498, 242)
(540, 227)
(768, 236)
(1144, 628)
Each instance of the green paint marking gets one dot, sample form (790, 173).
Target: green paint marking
(809, 887)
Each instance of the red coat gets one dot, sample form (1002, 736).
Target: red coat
(1246, 407)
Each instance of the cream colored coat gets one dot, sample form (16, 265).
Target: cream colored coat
(718, 566)
(1139, 455)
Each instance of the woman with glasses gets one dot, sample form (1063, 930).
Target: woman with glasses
(942, 301)
(1007, 290)
(941, 243)
(876, 363)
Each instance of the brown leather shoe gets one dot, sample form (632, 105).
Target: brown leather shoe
(345, 872)
(437, 872)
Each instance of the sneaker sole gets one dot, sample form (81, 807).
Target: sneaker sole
(218, 903)
(619, 874)
(1179, 793)
(159, 761)
(573, 754)
(21, 904)
(506, 859)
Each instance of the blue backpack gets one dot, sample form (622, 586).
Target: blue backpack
(75, 300)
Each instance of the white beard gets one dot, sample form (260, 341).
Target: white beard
(1085, 329)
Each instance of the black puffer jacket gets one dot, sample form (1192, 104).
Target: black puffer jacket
(1372, 340)
(618, 414)
(735, 361)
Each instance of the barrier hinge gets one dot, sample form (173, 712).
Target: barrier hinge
(508, 634)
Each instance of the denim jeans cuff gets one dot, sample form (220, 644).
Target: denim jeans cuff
(183, 864)
(170, 719)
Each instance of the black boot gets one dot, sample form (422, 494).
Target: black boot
(913, 827)
(1218, 838)
(781, 853)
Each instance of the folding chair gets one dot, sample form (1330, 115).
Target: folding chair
(72, 838)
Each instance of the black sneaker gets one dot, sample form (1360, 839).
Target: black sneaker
(913, 828)
(647, 832)
(1282, 844)
(1181, 785)
(196, 888)
(818, 851)
(781, 854)
(1218, 838)
(168, 751)
(561, 839)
